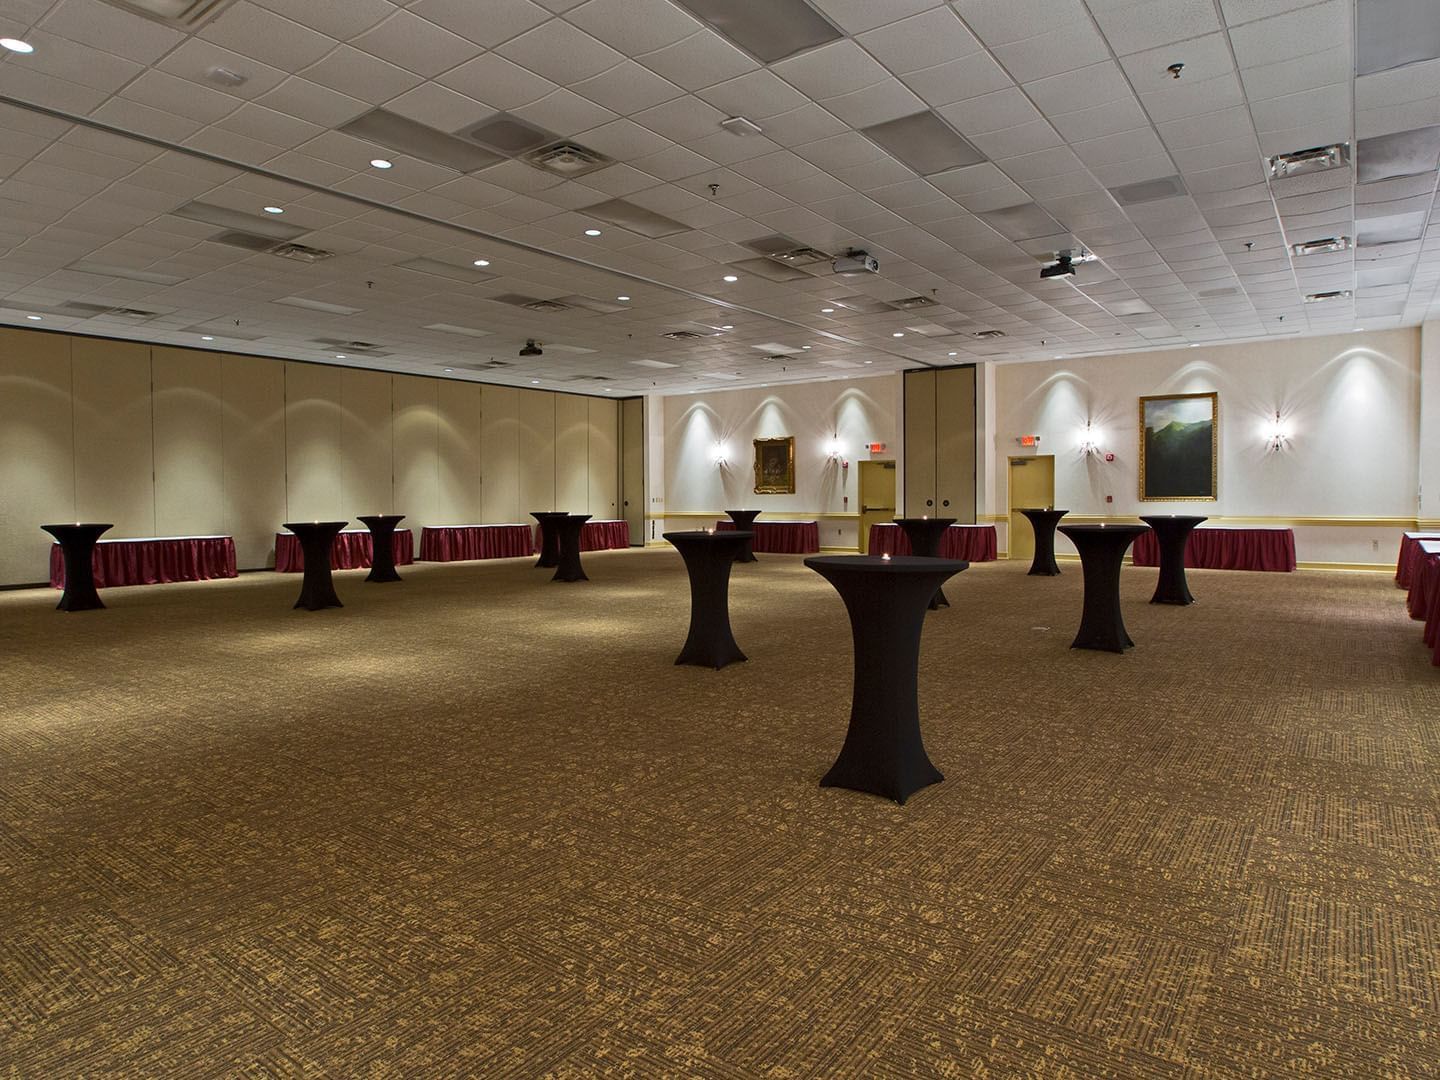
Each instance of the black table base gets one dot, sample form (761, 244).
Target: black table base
(549, 536)
(382, 545)
(317, 587)
(77, 548)
(1102, 552)
(708, 558)
(1043, 523)
(1171, 533)
(744, 521)
(886, 599)
(568, 567)
(925, 534)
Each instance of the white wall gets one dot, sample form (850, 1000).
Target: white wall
(1351, 403)
(855, 412)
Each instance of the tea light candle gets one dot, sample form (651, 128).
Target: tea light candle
(886, 557)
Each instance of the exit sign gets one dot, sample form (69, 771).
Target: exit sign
(877, 448)
(1029, 440)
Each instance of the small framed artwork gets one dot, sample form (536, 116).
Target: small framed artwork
(775, 466)
(1178, 441)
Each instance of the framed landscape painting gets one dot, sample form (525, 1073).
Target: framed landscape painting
(1178, 439)
(775, 466)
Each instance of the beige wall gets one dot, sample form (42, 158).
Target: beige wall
(165, 442)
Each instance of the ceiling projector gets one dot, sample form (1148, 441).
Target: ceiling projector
(853, 263)
(531, 349)
(1062, 266)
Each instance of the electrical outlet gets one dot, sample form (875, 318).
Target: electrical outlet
(1374, 545)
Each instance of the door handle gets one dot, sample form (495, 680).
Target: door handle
(945, 503)
(929, 502)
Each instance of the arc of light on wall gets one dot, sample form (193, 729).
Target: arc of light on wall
(491, 238)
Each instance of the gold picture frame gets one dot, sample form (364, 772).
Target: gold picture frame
(775, 466)
(1179, 447)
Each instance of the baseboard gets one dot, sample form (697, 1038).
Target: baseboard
(1349, 567)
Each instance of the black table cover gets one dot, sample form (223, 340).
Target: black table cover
(317, 586)
(708, 557)
(568, 566)
(925, 535)
(743, 519)
(1043, 522)
(1102, 551)
(382, 545)
(886, 598)
(549, 535)
(1171, 533)
(77, 547)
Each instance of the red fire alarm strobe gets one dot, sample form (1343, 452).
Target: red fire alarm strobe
(1029, 440)
(877, 448)
(1109, 457)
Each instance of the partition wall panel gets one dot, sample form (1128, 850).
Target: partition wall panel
(114, 437)
(602, 465)
(632, 466)
(920, 444)
(366, 444)
(252, 429)
(955, 444)
(189, 450)
(314, 423)
(537, 452)
(37, 449)
(500, 452)
(572, 455)
(459, 457)
(417, 435)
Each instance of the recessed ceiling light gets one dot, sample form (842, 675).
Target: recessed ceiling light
(592, 232)
(622, 298)
(1194, 345)
(16, 45)
(273, 210)
(827, 311)
(381, 163)
(1359, 330)
(804, 346)
(731, 277)
(449, 369)
(481, 262)
(727, 326)
(34, 318)
(872, 361)
(947, 354)
(339, 356)
(534, 382)
(206, 337)
(898, 333)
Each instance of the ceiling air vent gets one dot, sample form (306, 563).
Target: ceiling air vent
(1315, 159)
(988, 334)
(301, 253)
(1322, 297)
(547, 305)
(770, 269)
(183, 14)
(370, 348)
(509, 135)
(684, 335)
(567, 159)
(88, 311)
(800, 256)
(248, 241)
(1321, 247)
(488, 365)
(912, 303)
(533, 303)
(1165, 187)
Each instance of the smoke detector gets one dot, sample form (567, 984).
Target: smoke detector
(531, 349)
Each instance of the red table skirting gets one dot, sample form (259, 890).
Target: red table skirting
(152, 561)
(604, 535)
(782, 537)
(1227, 549)
(459, 543)
(351, 551)
(973, 543)
(1424, 601)
(1410, 557)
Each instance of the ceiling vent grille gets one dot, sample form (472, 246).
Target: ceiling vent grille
(567, 159)
(1322, 297)
(89, 311)
(488, 365)
(1321, 247)
(185, 15)
(684, 335)
(1315, 159)
(546, 305)
(912, 303)
(301, 253)
(248, 241)
(800, 256)
(349, 346)
(533, 303)
(988, 334)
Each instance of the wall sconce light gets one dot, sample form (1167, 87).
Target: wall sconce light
(1089, 447)
(721, 455)
(1277, 434)
(836, 452)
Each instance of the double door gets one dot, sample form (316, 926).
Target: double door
(940, 443)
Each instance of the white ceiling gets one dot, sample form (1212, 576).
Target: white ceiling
(1067, 99)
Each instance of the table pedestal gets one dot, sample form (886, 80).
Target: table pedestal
(743, 519)
(886, 598)
(708, 557)
(77, 546)
(1102, 551)
(550, 536)
(317, 586)
(1043, 523)
(567, 567)
(1171, 534)
(382, 545)
(925, 535)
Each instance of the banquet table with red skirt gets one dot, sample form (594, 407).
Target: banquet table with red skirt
(459, 543)
(1227, 549)
(353, 549)
(1426, 582)
(605, 535)
(153, 560)
(973, 543)
(781, 537)
(1410, 556)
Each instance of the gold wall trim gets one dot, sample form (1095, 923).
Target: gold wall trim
(720, 515)
(1272, 522)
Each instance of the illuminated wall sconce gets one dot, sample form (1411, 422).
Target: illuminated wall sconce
(1277, 434)
(721, 455)
(1089, 442)
(836, 452)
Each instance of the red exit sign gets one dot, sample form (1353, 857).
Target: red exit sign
(1029, 440)
(877, 448)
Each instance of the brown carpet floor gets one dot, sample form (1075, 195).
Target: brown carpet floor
(477, 824)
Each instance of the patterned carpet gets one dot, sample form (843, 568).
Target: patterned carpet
(477, 824)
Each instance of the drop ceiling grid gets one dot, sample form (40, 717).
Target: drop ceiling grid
(1028, 311)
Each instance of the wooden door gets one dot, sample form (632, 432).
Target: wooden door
(1032, 483)
(877, 497)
